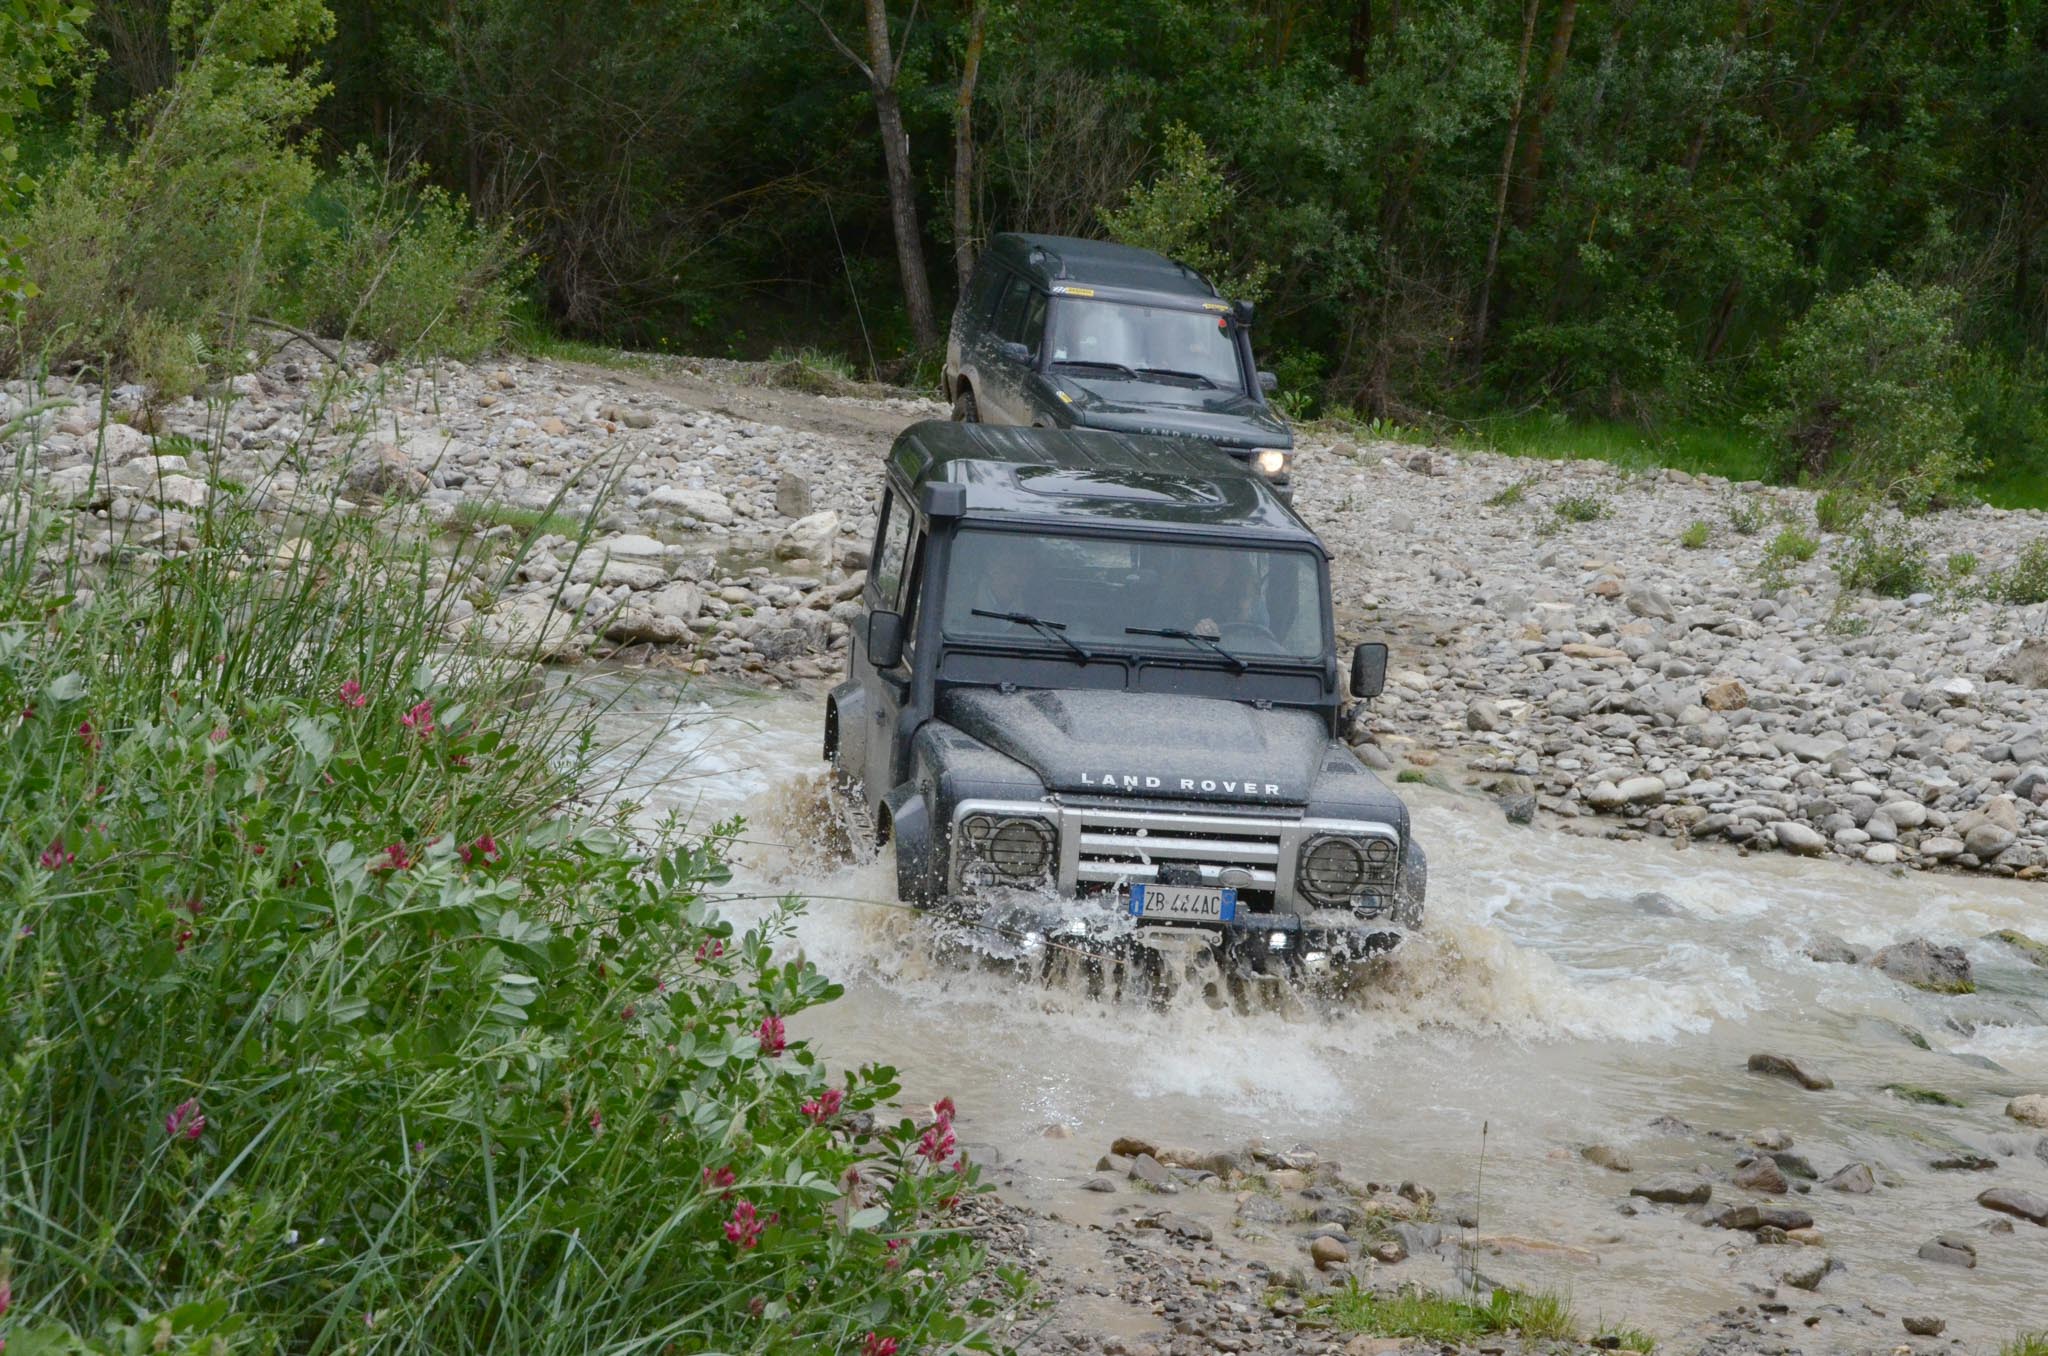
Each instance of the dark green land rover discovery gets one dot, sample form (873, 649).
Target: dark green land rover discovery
(1056, 332)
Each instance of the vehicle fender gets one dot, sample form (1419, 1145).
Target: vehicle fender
(1414, 885)
(845, 710)
(908, 821)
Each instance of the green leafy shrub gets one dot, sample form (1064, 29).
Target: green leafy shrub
(330, 1029)
(1581, 508)
(407, 269)
(1696, 535)
(38, 39)
(192, 223)
(1838, 510)
(1888, 560)
(1182, 212)
(2027, 581)
(1962, 565)
(1746, 517)
(1864, 396)
(1509, 496)
(1791, 545)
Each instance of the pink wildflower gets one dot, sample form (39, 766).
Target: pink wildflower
(874, 1344)
(892, 1261)
(626, 1014)
(710, 950)
(944, 1110)
(184, 937)
(597, 1121)
(219, 735)
(773, 1041)
(352, 694)
(484, 849)
(719, 1179)
(743, 1230)
(420, 720)
(56, 857)
(937, 1142)
(397, 858)
(825, 1107)
(6, 1296)
(185, 1121)
(89, 735)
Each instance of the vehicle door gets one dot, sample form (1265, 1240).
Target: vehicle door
(1002, 398)
(970, 345)
(889, 589)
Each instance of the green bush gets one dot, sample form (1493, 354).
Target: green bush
(330, 1029)
(406, 268)
(1581, 508)
(1696, 535)
(1181, 212)
(2027, 581)
(1888, 560)
(1746, 517)
(1864, 397)
(1838, 510)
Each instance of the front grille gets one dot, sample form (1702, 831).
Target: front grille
(1116, 849)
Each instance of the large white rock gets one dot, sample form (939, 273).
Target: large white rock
(689, 505)
(811, 537)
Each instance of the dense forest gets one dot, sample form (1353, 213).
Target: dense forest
(1636, 210)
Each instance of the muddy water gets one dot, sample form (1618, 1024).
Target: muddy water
(1569, 991)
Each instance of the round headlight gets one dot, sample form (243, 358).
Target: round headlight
(1021, 849)
(1332, 870)
(1379, 851)
(1272, 461)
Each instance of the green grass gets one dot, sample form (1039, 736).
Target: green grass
(1409, 775)
(534, 339)
(1696, 535)
(1442, 1318)
(1581, 508)
(1511, 496)
(2026, 1344)
(478, 515)
(1697, 448)
(2014, 487)
(1625, 1339)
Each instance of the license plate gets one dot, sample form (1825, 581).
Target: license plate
(1184, 903)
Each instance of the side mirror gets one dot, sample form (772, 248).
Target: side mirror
(1244, 312)
(1368, 668)
(1014, 352)
(885, 639)
(1268, 382)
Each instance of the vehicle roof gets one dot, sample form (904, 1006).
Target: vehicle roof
(1096, 476)
(1054, 261)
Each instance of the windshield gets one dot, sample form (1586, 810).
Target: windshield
(1137, 338)
(1232, 602)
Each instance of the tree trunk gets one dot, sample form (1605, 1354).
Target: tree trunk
(1358, 49)
(917, 288)
(1553, 77)
(963, 149)
(1500, 194)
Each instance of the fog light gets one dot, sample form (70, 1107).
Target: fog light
(1272, 461)
(1276, 941)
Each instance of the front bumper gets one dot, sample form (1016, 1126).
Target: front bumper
(1021, 926)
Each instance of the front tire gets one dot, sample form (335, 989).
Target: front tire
(965, 411)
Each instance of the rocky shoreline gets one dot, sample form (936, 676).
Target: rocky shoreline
(1554, 639)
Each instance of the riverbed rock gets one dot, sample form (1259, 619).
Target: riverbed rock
(1798, 838)
(386, 473)
(810, 538)
(1674, 1188)
(1608, 1157)
(1805, 1270)
(1828, 949)
(1924, 1325)
(793, 495)
(1953, 1250)
(2013, 1201)
(1784, 1066)
(1762, 1174)
(1856, 1180)
(2029, 1109)
(2033, 951)
(1750, 1218)
(683, 503)
(1130, 1146)
(1727, 695)
(1925, 965)
(1328, 1252)
(2025, 664)
(1148, 1170)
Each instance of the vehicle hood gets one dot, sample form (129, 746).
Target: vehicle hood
(1172, 410)
(1147, 744)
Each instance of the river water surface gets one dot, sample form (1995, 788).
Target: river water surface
(1568, 991)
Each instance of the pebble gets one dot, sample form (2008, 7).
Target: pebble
(2030, 1109)
(1783, 1066)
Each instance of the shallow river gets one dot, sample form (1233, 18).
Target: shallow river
(1550, 1005)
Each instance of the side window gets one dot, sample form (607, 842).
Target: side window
(913, 581)
(987, 288)
(1034, 322)
(1009, 324)
(890, 544)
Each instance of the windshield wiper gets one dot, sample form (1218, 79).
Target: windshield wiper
(1209, 382)
(1196, 637)
(1052, 629)
(1126, 373)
